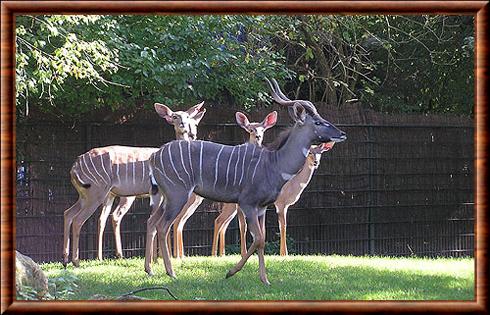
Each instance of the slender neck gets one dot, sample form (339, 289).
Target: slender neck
(292, 155)
(181, 136)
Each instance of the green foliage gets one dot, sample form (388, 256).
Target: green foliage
(69, 65)
(391, 63)
(428, 67)
(78, 64)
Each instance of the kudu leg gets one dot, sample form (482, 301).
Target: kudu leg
(69, 215)
(257, 244)
(242, 221)
(261, 252)
(281, 216)
(176, 236)
(104, 215)
(171, 210)
(85, 212)
(122, 208)
(151, 252)
(228, 210)
(222, 237)
(189, 208)
(151, 232)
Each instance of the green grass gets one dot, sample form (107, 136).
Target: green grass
(292, 278)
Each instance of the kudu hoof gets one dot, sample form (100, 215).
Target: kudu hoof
(76, 263)
(171, 275)
(149, 273)
(229, 274)
(265, 281)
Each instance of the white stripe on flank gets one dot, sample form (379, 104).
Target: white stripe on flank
(134, 173)
(216, 167)
(200, 164)
(78, 177)
(143, 171)
(228, 167)
(243, 165)
(173, 166)
(183, 164)
(88, 169)
(236, 164)
(117, 173)
(261, 151)
(126, 181)
(251, 158)
(95, 169)
(103, 167)
(190, 158)
(163, 168)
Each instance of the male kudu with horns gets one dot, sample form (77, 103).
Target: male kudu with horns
(179, 169)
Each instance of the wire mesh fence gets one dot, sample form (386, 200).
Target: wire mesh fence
(397, 186)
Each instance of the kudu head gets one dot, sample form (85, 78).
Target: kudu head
(316, 153)
(184, 122)
(306, 117)
(256, 130)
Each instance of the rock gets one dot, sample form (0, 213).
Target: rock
(28, 273)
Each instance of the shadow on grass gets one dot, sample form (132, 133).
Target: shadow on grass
(292, 279)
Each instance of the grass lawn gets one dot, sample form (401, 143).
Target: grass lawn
(292, 278)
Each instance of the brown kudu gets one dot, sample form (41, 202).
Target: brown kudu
(101, 174)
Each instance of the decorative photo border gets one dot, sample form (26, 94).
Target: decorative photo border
(9, 9)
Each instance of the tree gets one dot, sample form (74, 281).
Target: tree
(71, 65)
(391, 63)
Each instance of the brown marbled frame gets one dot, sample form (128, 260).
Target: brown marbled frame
(11, 8)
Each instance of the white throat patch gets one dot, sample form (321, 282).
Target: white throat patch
(286, 176)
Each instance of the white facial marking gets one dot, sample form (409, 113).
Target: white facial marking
(286, 176)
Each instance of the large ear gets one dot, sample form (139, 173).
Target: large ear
(194, 110)
(298, 113)
(270, 120)
(164, 112)
(197, 117)
(242, 120)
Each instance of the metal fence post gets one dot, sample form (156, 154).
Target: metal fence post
(371, 201)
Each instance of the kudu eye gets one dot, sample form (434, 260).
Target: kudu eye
(318, 123)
